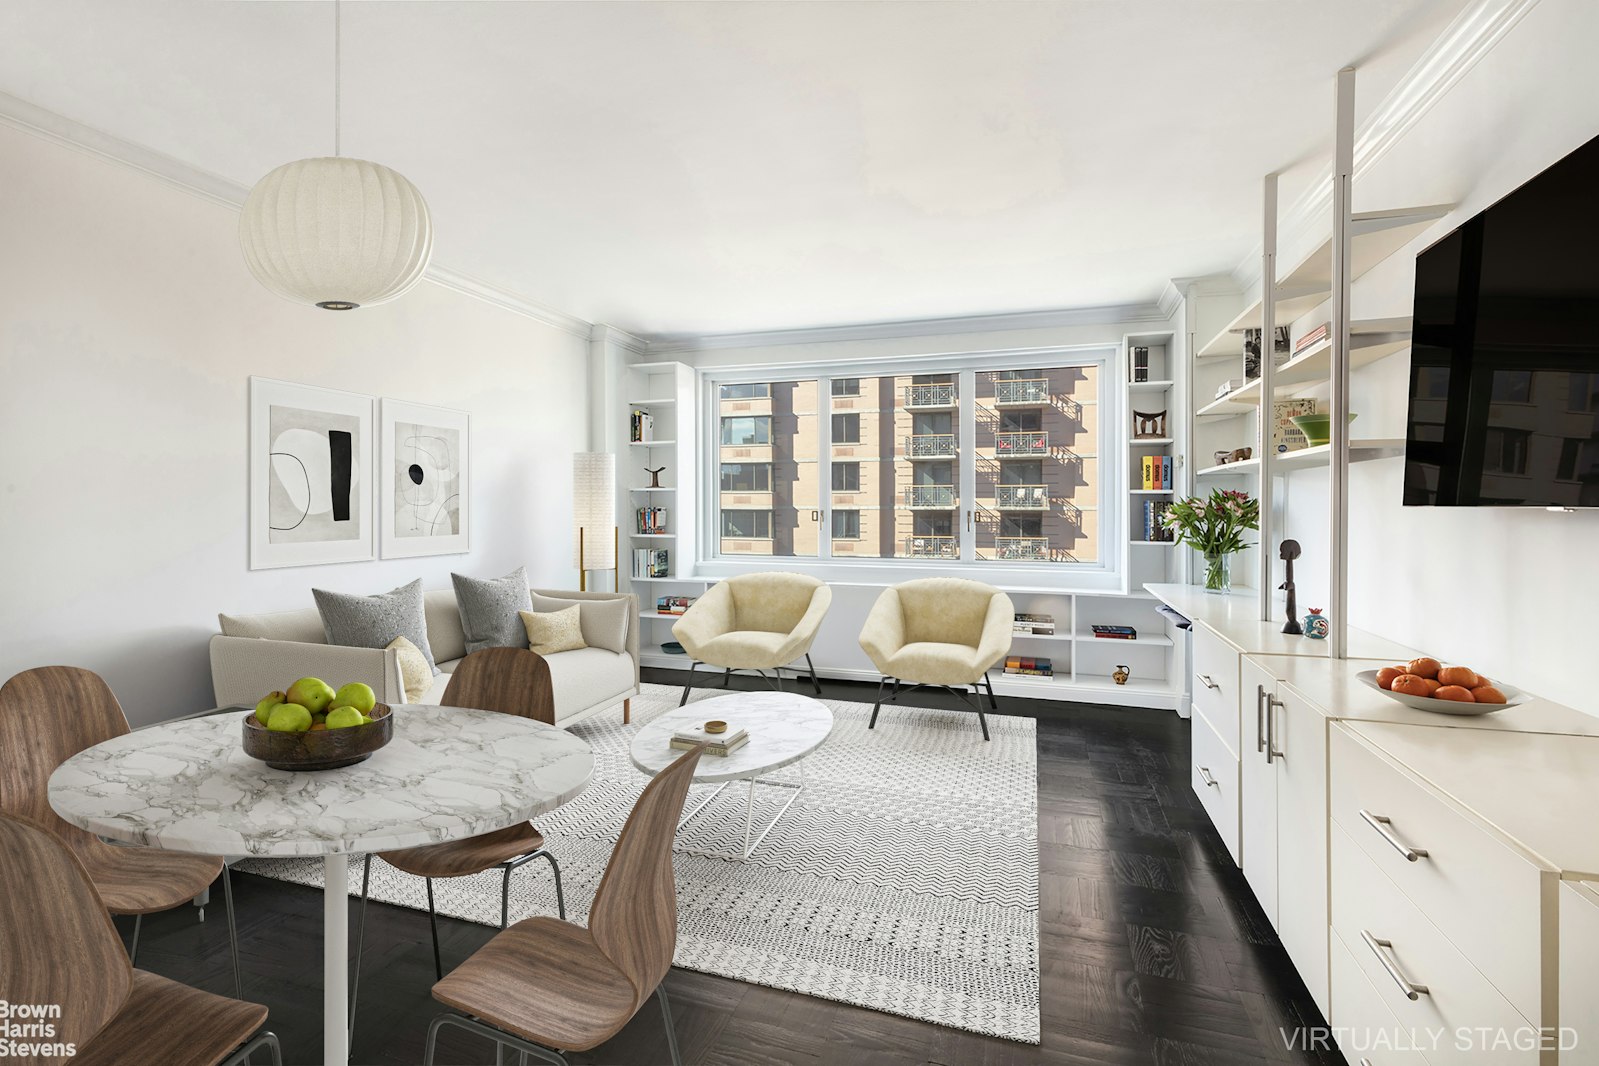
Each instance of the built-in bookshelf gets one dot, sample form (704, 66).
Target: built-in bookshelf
(657, 514)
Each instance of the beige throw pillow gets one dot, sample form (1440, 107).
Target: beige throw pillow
(604, 622)
(414, 671)
(549, 632)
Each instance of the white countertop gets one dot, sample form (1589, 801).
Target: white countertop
(1535, 789)
(1235, 618)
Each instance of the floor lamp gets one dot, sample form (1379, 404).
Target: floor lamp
(594, 513)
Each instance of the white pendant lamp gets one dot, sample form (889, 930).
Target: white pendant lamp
(333, 232)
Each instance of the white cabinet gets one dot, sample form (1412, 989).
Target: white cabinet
(1215, 670)
(1215, 782)
(1579, 971)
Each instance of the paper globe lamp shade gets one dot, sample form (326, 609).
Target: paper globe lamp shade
(337, 233)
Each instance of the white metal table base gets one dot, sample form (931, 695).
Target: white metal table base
(335, 959)
(796, 788)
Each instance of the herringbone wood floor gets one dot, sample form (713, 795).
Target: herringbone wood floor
(1153, 950)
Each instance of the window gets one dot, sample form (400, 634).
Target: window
(1582, 392)
(846, 525)
(846, 477)
(747, 430)
(746, 477)
(756, 525)
(758, 391)
(1572, 468)
(847, 429)
(846, 386)
(1505, 451)
(1512, 386)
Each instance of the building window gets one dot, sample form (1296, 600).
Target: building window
(746, 477)
(846, 525)
(1582, 392)
(747, 430)
(1572, 468)
(1505, 451)
(846, 477)
(1512, 386)
(846, 386)
(847, 429)
(758, 391)
(754, 525)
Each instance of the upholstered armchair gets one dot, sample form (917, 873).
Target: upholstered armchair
(941, 632)
(756, 622)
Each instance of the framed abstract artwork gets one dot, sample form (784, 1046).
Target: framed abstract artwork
(311, 462)
(424, 477)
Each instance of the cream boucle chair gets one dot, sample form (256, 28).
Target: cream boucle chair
(940, 632)
(754, 622)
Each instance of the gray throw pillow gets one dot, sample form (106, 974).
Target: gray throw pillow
(603, 622)
(489, 610)
(374, 621)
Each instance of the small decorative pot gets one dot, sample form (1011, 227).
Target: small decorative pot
(1221, 456)
(1315, 625)
(1120, 675)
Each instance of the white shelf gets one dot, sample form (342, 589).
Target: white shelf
(1369, 341)
(1221, 407)
(653, 536)
(1154, 543)
(1066, 638)
(1089, 638)
(1360, 451)
(1151, 492)
(667, 402)
(656, 614)
(672, 581)
(650, 443)
(1149, 386)
(1154, 442)
(649, 489)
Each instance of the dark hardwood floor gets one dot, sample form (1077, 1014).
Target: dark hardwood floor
(1152, 949)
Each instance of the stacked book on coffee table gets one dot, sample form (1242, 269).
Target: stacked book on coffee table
(724, 743)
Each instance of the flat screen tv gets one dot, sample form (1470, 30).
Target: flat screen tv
(1504, 371)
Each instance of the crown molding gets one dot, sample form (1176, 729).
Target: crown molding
(663, 343)
(69, 133)
(1471, 36)
(604, 334)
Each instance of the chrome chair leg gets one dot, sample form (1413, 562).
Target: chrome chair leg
(245, 1054)
(133, 949)
(815, 684)
(500, 1038)
(560, 897)
(433, 923)
(671, 1031)
(505, 897)
(360, 943)
(689, 683)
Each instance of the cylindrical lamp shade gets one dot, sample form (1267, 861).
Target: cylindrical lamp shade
(334, 232)
(594, 510)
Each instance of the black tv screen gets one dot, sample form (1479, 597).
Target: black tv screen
(1504, 369)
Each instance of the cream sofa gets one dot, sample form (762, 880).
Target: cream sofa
(256, 654)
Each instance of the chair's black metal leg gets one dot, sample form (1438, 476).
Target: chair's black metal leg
(360, 944)
(133, 949)
(873, 723)
(993, 704)
(505, 898)
(560, 897)
(815, 684)
(671, 1031)
(233, 932)
(433, 921)
(727, 677)
(978, 700)
(688, 684)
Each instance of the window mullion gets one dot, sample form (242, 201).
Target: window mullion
(966, 442)
(824, 467)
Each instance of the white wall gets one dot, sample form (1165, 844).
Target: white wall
(1508, 591)
(129, 327)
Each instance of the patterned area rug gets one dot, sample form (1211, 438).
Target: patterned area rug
(904, 879)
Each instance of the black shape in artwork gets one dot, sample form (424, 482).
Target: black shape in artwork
(340, 446)
(414, 471)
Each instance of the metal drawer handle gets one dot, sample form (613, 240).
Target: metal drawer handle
(1204, 775)
(1365, 1062)
(1260, 718)
(1204, 679)
(1381, 823)
(1272, 702)
(1410, 988)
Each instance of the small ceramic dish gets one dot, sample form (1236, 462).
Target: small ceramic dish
(716, 727)
(1513, 696)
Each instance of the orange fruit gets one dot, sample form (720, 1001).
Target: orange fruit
(1410, 685)
(1425, 667)
(1385, 676)
(1488, 694)
(1464, 676)
(1455, 694)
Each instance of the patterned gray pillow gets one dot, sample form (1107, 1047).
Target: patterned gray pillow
(489, 610)
(374, 621)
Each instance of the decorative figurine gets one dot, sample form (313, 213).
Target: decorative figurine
(1240, 454)
(1148, 424)
(1288, 552)
(1121, 674)
(655, 476)
(1221, 456)
(1315, 625)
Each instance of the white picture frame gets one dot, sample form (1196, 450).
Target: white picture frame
(424, 480)
(311, 468)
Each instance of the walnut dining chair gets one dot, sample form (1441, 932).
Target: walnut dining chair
(48, 715)
(59, 948)
(545, 986)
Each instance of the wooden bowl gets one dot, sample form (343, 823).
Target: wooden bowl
(326, 749)
(714, 727)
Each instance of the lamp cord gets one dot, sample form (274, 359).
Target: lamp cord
(336, 58)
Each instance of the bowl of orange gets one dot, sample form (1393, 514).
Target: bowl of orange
(1428, 685)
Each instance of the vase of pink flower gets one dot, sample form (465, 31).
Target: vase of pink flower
(1215, 527)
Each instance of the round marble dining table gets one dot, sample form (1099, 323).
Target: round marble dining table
(448, 773)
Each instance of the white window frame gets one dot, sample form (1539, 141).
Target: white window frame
(1104, 575)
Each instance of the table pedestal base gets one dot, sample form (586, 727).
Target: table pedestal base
(335, 959)
(795, 787)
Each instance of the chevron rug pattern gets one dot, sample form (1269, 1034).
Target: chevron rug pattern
(904, 879)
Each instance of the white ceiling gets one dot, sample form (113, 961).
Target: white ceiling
(705, 167)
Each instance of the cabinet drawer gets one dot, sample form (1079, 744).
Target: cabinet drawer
(1579, 968)
(1393, 942)
(1216, 684)
(1370, 1034)
(1465, 875)
(1214, 775)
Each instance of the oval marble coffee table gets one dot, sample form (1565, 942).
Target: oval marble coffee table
(784, 728)
(448, 773)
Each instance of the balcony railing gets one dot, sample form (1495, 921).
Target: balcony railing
(1016, 392)
(1036, 548)
(939, 395)
(932, 548)
(930, 445)
(1014, 445)
(1021, 497)
(935, 497)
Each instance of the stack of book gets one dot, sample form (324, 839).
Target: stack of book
(641, 427)
(673, 604)
(1029, 665)
(1315, 336)
(1115, 632)
(715, 743)
(1156, 472)
(1037, 625)
(651, 520)
(650, 562)
(1155, 527)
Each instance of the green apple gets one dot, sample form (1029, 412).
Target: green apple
(289, 718)
(344, 717)
(356, 695)
(263, 710)
(312, 693)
